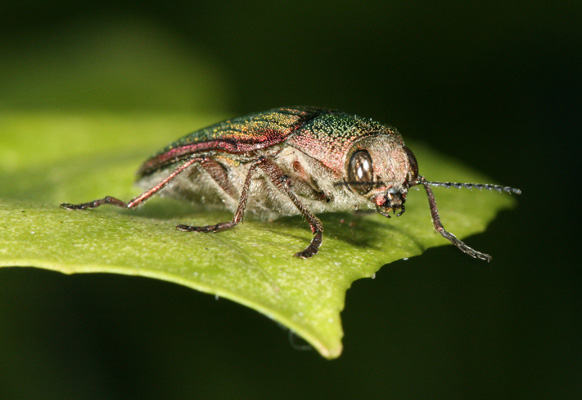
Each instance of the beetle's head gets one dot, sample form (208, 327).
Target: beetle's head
(381, 169)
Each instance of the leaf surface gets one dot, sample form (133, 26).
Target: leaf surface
(46, 159)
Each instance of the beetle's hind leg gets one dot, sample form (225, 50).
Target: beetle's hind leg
(95, 203)
(281, 181)
(139, 200)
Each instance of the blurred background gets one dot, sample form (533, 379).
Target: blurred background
(495, 84)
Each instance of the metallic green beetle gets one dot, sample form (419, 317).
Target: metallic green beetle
(289, 161)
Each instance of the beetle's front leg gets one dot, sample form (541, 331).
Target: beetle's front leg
(438, 226)
(281, 181)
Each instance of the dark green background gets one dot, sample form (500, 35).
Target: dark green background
(496, 84)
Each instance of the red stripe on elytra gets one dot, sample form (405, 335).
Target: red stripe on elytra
(177, 153)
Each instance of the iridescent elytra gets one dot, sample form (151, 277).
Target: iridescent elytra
(289, 161)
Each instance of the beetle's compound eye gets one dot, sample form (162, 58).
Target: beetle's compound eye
(413, 165)
(360, 172)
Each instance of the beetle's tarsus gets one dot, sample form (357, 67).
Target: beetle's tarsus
(222, 226)
(313, 247)
(463, 247)
(68, 206)
(95, 203)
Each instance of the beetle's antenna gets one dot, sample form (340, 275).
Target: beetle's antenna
(447, 185)
(479, 186)
(363, 183)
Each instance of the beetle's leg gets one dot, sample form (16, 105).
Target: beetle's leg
(218, 174)
(305, 186)
(139, 200)
(240, 210)
(281, 181)
(438, 226)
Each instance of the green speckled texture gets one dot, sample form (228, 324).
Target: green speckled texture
(238, 135)
(328, 137)
(323, 134)
(257, 127)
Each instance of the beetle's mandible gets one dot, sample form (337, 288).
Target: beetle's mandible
(288, 161)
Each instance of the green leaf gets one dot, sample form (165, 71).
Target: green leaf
(46, 159)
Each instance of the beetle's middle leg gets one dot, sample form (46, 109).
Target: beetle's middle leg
(240, 210)
(281, 181)
(217, 172)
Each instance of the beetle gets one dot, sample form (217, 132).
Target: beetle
(289, 161)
